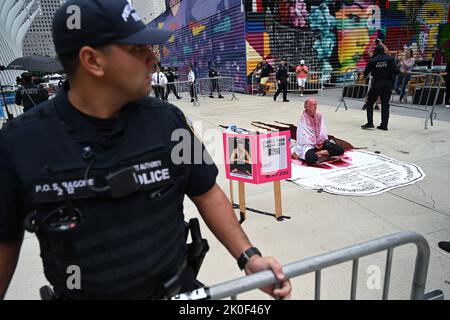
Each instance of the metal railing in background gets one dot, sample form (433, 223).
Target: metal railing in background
(318, 263)
(202, 88)
(11, 110)
(314, 82)
(423, 92)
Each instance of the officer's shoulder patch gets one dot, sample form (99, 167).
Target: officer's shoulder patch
(42, 111)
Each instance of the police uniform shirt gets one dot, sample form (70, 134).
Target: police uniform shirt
(382, 67)
(170, 76)
(30, 95)
(123, 244)
(213, 73)
(282, 72)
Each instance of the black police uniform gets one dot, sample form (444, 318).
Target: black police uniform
(384, 70)
(30, 95)
(214, 85)
(171, 76)
(127, 240)
(282, 76)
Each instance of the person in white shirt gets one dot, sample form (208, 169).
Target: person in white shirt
(159, 81)
(191, 80)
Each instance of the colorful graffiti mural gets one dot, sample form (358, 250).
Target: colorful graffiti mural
(208, 32)
(331, 36)
(334, 36)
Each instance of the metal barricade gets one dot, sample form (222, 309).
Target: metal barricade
(423, 92)
(181, 90)
(318, 263)
(314, 82)
(10, 112)
(203, 87)
(219, 85)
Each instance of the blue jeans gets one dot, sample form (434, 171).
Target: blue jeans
(401, 83)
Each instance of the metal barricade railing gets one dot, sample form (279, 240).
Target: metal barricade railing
(314, 82)
(217, 85)
(423, 92)
(203, 87)
(11, 111)
(318, 263)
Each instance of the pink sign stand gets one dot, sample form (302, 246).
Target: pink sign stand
(257, 159)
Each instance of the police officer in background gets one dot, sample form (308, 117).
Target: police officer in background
(282, 79)
(384, 70)
(102, 190)
(171, 87)
(214, 84)
(30, 94)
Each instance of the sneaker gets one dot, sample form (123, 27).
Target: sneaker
(382, 128)
(444, 245)
(192, 100)
(263, 94)
(286, 100)
(368, 126)
(178, 98)
(220, 96)
(377, 107)
(301, 94)
(211, 96)
(447, 106)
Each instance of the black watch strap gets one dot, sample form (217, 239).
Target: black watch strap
(246, 255)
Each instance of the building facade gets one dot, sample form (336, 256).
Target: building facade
(16, 17)
(331, 36)
(149, 10)
(38, 40)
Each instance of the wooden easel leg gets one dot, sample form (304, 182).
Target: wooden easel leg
(277, 193)
(231, 193)
(242, 200)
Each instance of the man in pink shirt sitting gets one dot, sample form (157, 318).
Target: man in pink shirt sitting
(312, 137)
(302, 74)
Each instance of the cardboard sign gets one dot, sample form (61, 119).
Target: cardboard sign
(256, 158)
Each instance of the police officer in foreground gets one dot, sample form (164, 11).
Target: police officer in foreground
(95, 174)
(282, 80)
(29, 94)
(384, 70)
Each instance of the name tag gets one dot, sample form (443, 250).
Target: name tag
(148, 175)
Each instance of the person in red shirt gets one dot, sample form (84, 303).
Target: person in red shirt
(302, 73)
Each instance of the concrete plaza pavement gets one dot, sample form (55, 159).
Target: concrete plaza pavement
(320, 222)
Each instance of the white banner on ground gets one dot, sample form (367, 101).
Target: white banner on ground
(356, 173)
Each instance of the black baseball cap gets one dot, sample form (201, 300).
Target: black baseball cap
(96, 23)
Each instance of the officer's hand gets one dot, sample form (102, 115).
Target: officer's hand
(257, 264)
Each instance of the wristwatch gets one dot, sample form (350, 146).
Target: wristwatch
(246, 255)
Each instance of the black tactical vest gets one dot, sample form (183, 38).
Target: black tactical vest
(124, 247)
